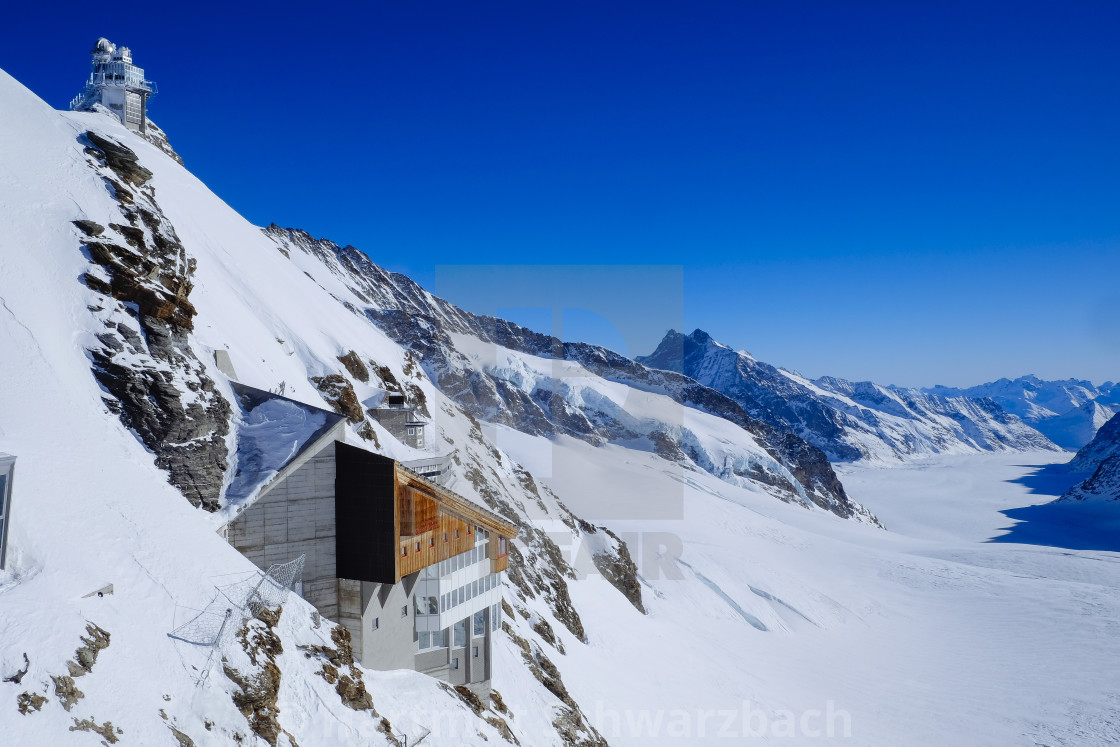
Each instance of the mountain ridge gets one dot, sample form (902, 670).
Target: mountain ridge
(849, 420)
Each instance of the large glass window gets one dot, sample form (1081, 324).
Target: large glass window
(480, 622)
(439, 639)
(461, 633)
(427, 605)
(495, 616)
(425, 641)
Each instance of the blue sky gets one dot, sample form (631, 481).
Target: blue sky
(905, 192)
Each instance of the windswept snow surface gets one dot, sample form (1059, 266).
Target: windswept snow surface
(925, 634)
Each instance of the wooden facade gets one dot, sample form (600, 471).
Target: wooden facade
(435, 524)
(392, 522)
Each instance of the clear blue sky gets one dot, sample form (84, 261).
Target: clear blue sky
(906, 192)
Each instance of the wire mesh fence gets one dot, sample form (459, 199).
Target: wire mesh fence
(215, 626)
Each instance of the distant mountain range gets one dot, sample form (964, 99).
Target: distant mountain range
(1067, 412)
(847, 420)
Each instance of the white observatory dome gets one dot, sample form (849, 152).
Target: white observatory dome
(103, 45)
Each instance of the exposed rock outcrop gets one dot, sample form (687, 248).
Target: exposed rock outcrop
(144, 360)
(350, 687)
(339, 394)
(355, 366)
(27, 702)
(106, 731)
(66, 691)
(86, 655)
(258, 679)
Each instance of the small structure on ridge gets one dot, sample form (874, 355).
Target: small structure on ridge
(117, 84)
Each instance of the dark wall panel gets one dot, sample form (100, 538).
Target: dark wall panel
(364, 505)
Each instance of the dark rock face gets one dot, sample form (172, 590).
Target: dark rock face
(1104, 445)
(340, 394)
(355, 366)
(1101, 457)
(615, 565)
(151, 377)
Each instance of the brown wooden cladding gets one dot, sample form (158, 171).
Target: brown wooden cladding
(421, 549)
(499, 561)
(426, 514)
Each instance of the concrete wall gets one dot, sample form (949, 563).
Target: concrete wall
(396, 422)
(393, 644)
(296, 517)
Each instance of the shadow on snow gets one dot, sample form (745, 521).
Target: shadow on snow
(1073, 526)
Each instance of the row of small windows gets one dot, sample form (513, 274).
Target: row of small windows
(432, 605)
(438, 639)
(482, 533)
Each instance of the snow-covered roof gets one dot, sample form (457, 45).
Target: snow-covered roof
(272, 433)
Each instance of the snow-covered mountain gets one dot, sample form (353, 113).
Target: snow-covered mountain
(508, 375)
(1101, 458)
(1067, 412)
(121, 276)
(848, 420)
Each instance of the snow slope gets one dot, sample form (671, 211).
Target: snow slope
(91, 508)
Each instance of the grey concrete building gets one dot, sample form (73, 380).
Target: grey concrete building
(412, 569)
(401, 420)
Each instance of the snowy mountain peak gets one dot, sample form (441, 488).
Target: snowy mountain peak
(848, 420)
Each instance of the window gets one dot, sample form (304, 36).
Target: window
(480, 623)
(474, 651)
(454, 597)
(425, 641)
(431, 542)
(455, 662)
(427, 605)
(375, 623)
(474, 589)
(404, 611)
(445, 536)
(495, 617)
(456, 534)
(486, 550)
(461, 633)
(468, 530)
(439, 639)
(443, 603)
(502, 546)
(411, 431)
(417, 547)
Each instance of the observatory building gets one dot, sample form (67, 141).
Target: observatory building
(117, 84)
